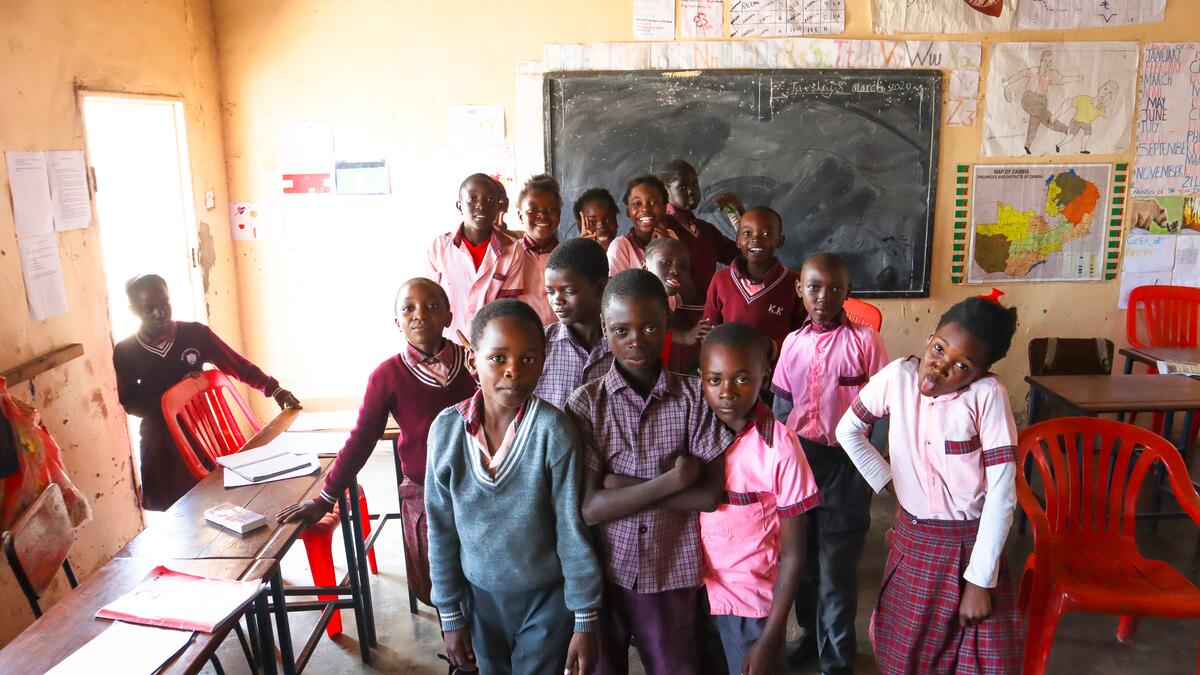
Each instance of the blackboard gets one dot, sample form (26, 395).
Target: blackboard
(848, 157)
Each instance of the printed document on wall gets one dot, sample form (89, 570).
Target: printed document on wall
(653, 19)
(1058, 14)
(69, 189)
(42, 270)
(1056, 98)
(1168, 154)
(33, 210)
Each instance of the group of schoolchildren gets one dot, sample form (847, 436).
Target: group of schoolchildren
(584, 490)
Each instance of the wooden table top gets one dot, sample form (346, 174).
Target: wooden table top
(1121, 393)
(183, 532)
(72, 622)
(338, 421)
(1152, 355)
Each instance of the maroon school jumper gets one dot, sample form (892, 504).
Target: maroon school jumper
(777, 309)
(706, 245)
(145, 373)
(414, 399)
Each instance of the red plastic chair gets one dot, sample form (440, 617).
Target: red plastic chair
(864, 313)
(1172, 320)
(200, 405)
(1085, 555)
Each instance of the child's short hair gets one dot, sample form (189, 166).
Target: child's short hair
(143, 282)
(596, 194)
(767, 210)
(502, 308)
(740, 336)
(582, 256)
(634, 283)
(497, 188)
(675, 170)
(423, 282)
(833, 260)
(543, 182)
(987, 321)
(648, 179)
(657, 245)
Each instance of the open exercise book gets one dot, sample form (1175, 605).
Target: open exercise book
(170, 599)
(266, 463)
(1191, 370)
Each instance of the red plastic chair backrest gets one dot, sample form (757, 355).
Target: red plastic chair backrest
(202, 422)
(1172, 316)
(1092, 470)
(864, 313)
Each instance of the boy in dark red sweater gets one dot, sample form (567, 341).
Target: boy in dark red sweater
(757, 289)
(428, 376)
(706, 245)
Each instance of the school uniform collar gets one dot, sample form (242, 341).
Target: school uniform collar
(684, 218)
(763, 423)
(667, 383)
(820, 328)
(472, 412)
(557, 331)
(532, 246)
(774, 273)
(497, 242)
(447, 355)
(635, 241)
(159, 350)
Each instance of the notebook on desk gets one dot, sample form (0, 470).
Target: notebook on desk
(170, 599)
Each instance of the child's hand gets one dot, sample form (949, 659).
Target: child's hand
(660, 232)
(696, 334)
(286, 399)
(582, 654)
(762, 657)
(729, 198)
(687, 470)
(976, 605)
(458, 648)
(307, 511)
(466, 344)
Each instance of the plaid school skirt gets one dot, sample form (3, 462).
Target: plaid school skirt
(914, 628)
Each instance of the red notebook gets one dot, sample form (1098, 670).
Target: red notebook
(171, 599)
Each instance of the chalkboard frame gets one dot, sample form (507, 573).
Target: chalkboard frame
(936, 80)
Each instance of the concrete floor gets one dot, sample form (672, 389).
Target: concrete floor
(410, 644)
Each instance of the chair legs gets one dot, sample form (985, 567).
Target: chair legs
(366, 529)
(319, 547)
(1127, 628)
(1044, 611)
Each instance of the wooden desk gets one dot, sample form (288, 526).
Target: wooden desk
(1097, 394)
(338, 421)
(1152, 355)
(72, 622)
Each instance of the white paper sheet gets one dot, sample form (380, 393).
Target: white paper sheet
(306, 148)
(69, 189)
(1146, 252)
(1186, 271)
(33, 209)
(231, 479)
(702, 18)
(324, 420)
(653, 19)
(1168, 160)
(530, 156)
(939, 16)
(1056, 98)
(253, 221)
(313, 442)
(470, 125)
(1132, 280)
(786, 18)
(263, 462)
(1058, 14)
(42, 271)
(140, 650)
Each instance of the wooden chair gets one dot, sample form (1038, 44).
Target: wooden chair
(38, 545)
(1085, 555)
(863, 313)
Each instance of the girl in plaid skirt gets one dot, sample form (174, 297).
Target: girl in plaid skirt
(947, 604)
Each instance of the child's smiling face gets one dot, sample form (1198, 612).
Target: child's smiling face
(671, 264)
(759, 236)
(540, 213)
(479, 204)
(646, 209)
(508, 359)
(953, 359)
(731, 378)
(685, 191)
(600, 219)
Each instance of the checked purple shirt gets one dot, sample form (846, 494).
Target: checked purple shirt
(570, 365)
(653, 550)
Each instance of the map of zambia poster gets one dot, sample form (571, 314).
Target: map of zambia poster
(1042, 222)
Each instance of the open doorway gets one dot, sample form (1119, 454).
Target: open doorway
(137, 152)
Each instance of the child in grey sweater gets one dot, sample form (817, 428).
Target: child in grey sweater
(515, 580)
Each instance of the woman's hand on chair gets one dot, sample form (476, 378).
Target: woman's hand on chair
(307, 511)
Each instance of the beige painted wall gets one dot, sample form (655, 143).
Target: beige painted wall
(384, 73)
(48, 49)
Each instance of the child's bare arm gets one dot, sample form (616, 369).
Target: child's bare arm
(602, 504)
(702, 495)
(792, 544)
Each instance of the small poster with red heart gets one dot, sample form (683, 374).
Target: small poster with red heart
(252, 221)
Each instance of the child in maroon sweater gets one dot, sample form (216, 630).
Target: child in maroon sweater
(706, 245)
(428, 376)
(156, 358)
(757, 289)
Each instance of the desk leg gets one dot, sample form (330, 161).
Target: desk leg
(262, 630)
(1034, 400)
(364, 570)
(360, 619)
(1128, 371)
(282, 625)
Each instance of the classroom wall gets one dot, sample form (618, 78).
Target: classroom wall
(384, 74)
(50, 48)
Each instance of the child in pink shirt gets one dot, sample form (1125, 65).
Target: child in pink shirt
(646, 205)
(540, 208)
(476, 263)
(947, 604)
(821, 367)
(754, 542)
